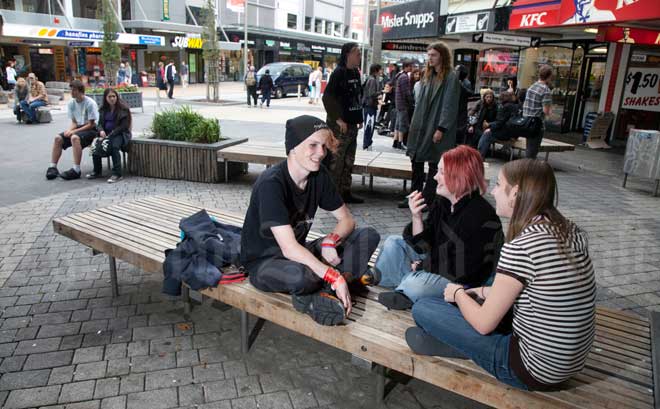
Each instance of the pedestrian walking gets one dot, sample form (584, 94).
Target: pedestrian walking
(251, 86)
(342, 100)
(10, 72)
(266, 88)
(314, 84)
(170, 76)
(160, 78)
(433, 126)
(370, 96)
(184, 74)
(404, 102)
(538, 104)
(121, 74)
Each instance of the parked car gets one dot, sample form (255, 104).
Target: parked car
(286, 77)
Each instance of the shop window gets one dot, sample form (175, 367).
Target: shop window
(328, 28)
(197, 13)
(85, 8)
(7, 5)
(308, 24)
(318, 26)
(291, 21)
(339, 30)
(42, 7)
(126, 9)
(354, 36)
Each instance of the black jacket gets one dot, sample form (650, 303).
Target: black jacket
(121, 134)
(462, 246)
(207, 246)
(342, 98)
(265, 83)
(505, 112)
(487, 113)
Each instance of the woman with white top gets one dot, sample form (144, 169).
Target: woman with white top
(11, 74)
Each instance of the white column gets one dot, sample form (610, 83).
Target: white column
(19, 5)
(68, 9)
(621, 78)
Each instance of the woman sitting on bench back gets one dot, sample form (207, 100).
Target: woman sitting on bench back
(544, 272)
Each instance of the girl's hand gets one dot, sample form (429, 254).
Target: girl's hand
(451, 290)
(416, 203)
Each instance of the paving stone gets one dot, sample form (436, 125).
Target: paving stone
(208, 372)
(247, 402)
(26, 333)
(187, 358)
(91, 354)
(12, 364)
(77, 391)
(103, 313)
(131, 383)
(191, 395)
(221, 390)
(106, 388)
(302, 399)
(115, 351)
(61, 296)
(248, 385)
(207, 340)
(7, 335)
(24, 379)
(36, 346)
(17, 322)
(276, 400)
(148, 333)
(63, 374)
(138, 348)
(68, 305)
(90, 404)
(81, 315)
(126, 311)
(29, 299)
(153, 362)
(93, 326)
(47, 331)
(48, 360)
(27, 398)
(97, 339)
(212, 355)
(90, 370)
(170, 345)
(168, 378)
(40, 308)
(275, 382)
(157, 399)
(50, 318)
(234, 369)
(118, 367)
(137, 321)
(117, 402)
(118, 323)
(71, 342)
(16, 311)
(7, 301)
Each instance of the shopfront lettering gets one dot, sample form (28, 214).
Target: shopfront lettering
(641, 101)
(533, 20)
(390, 21)
(187, 42)
(621, 3)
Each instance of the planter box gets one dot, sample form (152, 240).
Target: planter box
(195, 162)
(132, 99)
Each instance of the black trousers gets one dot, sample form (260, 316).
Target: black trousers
(424, 183)
(252, 92)
(282, 275)
(170, 90)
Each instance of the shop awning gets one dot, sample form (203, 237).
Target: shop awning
(68, 34)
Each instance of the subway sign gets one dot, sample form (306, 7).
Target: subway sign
(187, 42)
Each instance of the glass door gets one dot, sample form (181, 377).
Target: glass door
(590, 88)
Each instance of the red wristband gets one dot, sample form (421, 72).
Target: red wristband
(331, 275)
(332, 245)
(334, 237)
(339, 281)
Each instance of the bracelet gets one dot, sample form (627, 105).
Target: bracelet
(457, 290)
(483, 297)
(331, 275)
(332, 245)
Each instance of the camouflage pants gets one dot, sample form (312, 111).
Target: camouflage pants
(341, 162)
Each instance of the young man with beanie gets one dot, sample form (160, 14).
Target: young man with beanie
(342, 100)
(282, 207)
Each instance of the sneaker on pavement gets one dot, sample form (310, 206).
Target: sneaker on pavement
(93, 175)
(52, 173)
(323, 307)
(70, 174)
(395, 300)
(114, 179)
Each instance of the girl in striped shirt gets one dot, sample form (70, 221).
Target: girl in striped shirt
(544, 274)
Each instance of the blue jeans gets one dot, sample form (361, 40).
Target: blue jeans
(31, 109)
(265, 97)
(445, 322)
(486, 139)
(394, 265)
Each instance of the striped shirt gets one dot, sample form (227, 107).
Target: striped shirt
(553, 317)
(537, 96)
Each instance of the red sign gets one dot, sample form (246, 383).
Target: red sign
(627, 35)
(554, 13)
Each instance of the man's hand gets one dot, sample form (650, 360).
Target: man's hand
(416, 204)
(437, 136)
(68, 133)
(330, 255)
(102, 134)
(415, 265)
(485, 125)
(344, 296)
(343, 126)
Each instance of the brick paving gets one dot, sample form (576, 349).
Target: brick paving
(66, 343)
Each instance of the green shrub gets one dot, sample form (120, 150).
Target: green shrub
(184, 124)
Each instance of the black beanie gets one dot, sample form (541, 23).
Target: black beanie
(300, 128)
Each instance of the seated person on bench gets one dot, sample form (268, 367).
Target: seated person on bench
(83, 113)
(497, 130)
(544, 272)
(282, 207)
(458, 242)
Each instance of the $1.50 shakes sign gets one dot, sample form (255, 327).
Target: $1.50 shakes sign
(642, 89)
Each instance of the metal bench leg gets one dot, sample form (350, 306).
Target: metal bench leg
(405, 185)
(379, 370)
(371, 182)
(363, 180)
(249, 336)
(657, 185)
(185, 295)
(546, 156)
(113, 276)
(226, 171)
(625, 179)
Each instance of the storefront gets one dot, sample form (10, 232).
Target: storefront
(191, 52)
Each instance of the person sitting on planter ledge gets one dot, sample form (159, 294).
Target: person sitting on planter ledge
(282, 207)
(83, 112)
(37, 98)
(114, 134)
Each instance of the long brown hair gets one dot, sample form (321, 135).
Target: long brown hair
(537, 196)
(445, 60)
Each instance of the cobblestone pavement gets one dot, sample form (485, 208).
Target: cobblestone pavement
(66, 343)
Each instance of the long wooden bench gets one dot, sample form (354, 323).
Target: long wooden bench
(547, 145)
(620, 370)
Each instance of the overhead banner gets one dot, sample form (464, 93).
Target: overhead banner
(237, 6)
(415, 19)
(53, 33)
(628, 35)
(468, 23)
(554, 13)
(642, 89)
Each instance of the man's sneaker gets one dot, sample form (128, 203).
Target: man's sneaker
(93, 175)
(370, 277)
(422, 343)
(114, 179)
(52, 173)
(70, 174)
(324, 308)
(395, 300)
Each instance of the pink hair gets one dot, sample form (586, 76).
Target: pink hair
(464, 171)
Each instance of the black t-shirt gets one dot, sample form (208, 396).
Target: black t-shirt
(277, 201)
(343, 96)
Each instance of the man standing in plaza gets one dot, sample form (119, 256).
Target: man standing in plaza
(538, 104)
(403, 101)
(342, 100)
(83, 113)
(170, 75)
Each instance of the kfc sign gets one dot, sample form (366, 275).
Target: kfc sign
(409, 20)
(554, 13)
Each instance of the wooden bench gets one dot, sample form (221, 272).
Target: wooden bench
(547, 146)
(620, 371)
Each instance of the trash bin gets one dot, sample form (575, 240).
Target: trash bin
(643, 156)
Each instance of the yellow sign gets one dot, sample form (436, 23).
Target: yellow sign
(312, 63)
(187, 42)
(60, 63)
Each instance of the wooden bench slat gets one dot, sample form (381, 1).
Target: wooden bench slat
(637, 367)
(137, 226)
(631, 328)
(604, 397)
(622, 388)
(626, 347)
(618, 383)
(614, 371)
(623, 354)
(623, 316)
(623, 337)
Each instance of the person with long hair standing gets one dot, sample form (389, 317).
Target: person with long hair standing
(342, 100)
(114, 128)
(544, 273)
(372, 90)
(433, 125)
